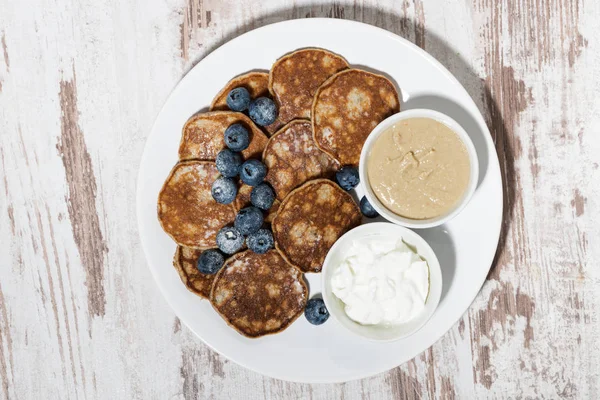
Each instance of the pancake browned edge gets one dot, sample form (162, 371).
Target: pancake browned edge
(186, 210)
(310, 220)
(295, 77)
(243, 200)
(345, 110)
(202, 137)
(257, 84)
(185, 262)
(292, 158)
(258, 294)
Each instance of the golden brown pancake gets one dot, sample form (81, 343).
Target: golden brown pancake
(258, 294)
(295, 78)
(345, 110)
(292, 158)
(243, 200)
(310, 220)
(202, 137)
(186, 209)
(257, 83)
(185, 262)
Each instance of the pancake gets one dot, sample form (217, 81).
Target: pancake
(258, 294)
(295, 78)
(292, 158)
(345, 110)
(185, 262)
(186, 209)
(243, 200)
(310, 220)
(257, 83)
(203, 138)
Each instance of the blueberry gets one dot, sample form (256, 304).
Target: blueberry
(224, 190)
(315, 312)
(230, 240)
(367, 209)
(260, 241)
(262, 196)
(238, 99)
(237, 137)
(263, 111)
(248, 220)
(347, 177)
(229, 163)
(253, 172)
(210, 261)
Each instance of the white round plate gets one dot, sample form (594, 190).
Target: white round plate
(465, 246)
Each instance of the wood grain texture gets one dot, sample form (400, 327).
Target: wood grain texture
(80, 85)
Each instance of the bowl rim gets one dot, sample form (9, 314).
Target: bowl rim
(464, 137)
(413, 239)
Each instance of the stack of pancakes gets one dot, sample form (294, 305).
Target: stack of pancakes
(326, 111)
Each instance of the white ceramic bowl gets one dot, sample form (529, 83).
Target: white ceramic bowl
(374, 332)
(419, 223)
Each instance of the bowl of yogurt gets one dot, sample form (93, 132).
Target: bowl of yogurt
(381, 281)
(419, 168)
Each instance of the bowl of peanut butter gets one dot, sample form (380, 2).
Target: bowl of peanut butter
(419, 168)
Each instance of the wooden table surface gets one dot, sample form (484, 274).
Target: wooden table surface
(81, 82)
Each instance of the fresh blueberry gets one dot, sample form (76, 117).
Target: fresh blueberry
(260, 241)
(210, 261)
(248, 220)
(367, 209)
(347, 177)
(230, 240)
(253, 172)
(238, 99)
(263, 111)
(237, 137)
(315, 312)
(262, 196)
(224, 190)
(229, 163)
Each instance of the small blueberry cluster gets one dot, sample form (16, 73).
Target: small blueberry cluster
(347, 178)
(248, 223)
(262, 110)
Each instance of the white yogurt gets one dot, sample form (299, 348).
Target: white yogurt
(381, 281)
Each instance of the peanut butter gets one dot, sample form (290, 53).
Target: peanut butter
(418, 168)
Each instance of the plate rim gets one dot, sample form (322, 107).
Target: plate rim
(492, 158)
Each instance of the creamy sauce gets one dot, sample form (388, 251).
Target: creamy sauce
(381, 281)
(418, 168)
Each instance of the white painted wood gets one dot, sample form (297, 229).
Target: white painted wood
(80, 85)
